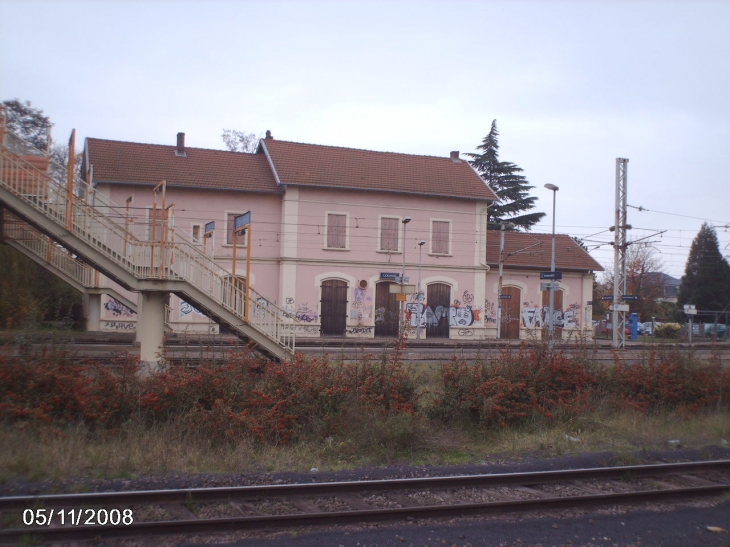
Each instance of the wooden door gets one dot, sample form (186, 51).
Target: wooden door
(334, 307)
(509, 328)
(558, 307)
(387, 310)
(438, 302)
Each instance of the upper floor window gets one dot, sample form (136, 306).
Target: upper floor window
(440, 237)
(336, 231)
(196, 233)
(389, 233)
(241, 239)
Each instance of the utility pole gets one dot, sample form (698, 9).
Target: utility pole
(619, 309)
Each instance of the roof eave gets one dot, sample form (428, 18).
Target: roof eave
(192, 187)
(356, 189)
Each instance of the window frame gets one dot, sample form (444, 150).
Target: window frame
(199, 239)
(398, 243)
(326, 247)
(241, 242)
(449, 241)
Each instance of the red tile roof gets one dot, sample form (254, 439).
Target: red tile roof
(533, 251)
(117, 161)
(335, 167)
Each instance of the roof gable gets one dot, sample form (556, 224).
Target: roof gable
(336, 167)
(137, 163)
(534, 251)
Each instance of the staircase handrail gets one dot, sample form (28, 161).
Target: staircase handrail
(143, 259)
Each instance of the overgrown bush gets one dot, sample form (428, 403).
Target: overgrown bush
(670, 380)
(668, 330)
(513, 388)
(374, 402)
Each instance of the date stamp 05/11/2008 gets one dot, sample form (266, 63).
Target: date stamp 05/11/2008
(78, 517)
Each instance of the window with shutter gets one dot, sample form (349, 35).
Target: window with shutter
(336, 231)
(229, 230)
(440, 237)
(389, 234)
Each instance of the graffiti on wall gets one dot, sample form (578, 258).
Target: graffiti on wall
(460, 314)
(305, 314)
(358, 301)
(261, 306)
(119, 325)
(534, 316)
(116, 308)
(301, 329)
(289, 307)
(360, 330)
(490, 312)
(187, 309)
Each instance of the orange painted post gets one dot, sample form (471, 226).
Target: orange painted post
(70, 183)
(248, 273)
(161, 186)
(234, 280)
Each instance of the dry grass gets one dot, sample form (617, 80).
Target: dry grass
(162, 450)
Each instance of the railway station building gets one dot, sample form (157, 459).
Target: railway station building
(331, 232)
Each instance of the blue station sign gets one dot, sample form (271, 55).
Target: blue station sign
(551, 275)
(389, 275)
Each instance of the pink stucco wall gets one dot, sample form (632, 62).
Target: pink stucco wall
(290, 258)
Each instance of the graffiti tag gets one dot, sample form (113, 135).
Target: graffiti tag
(116, 308)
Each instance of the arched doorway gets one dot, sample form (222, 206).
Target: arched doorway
(438, 301)
(334, 307)
(387, 311)
(509, 328)
(557, 314)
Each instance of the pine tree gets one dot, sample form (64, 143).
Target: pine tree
(511, 187)
(706, 280)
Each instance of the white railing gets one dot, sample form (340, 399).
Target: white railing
(44, 248)
(173, 257)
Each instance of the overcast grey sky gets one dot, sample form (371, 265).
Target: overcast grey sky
(573, 85)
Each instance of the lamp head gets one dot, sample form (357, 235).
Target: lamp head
(552, 187)
(421, 243)
(406, 220)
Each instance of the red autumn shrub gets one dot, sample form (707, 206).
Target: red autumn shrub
(274, 402)
(54, 386)
(670, 380)
(513, 388)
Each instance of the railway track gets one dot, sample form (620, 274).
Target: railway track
(195, 353)
(215, 510)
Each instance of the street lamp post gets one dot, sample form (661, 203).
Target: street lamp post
(420, 296)
(402, 323)
(551, 320)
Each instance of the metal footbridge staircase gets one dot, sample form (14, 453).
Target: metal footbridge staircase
(58, 220)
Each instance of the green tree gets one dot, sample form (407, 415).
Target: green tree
(29, 292)
(28, 122)
(706, 280)
(505, 179)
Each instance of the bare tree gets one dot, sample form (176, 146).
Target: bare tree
(240, 141)
(643, 269)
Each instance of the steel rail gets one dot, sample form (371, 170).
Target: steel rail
(356, 515)
(184, 495)
(194, 526)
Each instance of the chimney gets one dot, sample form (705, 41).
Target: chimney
(268, 134)
(180, 145)
(455, 155)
